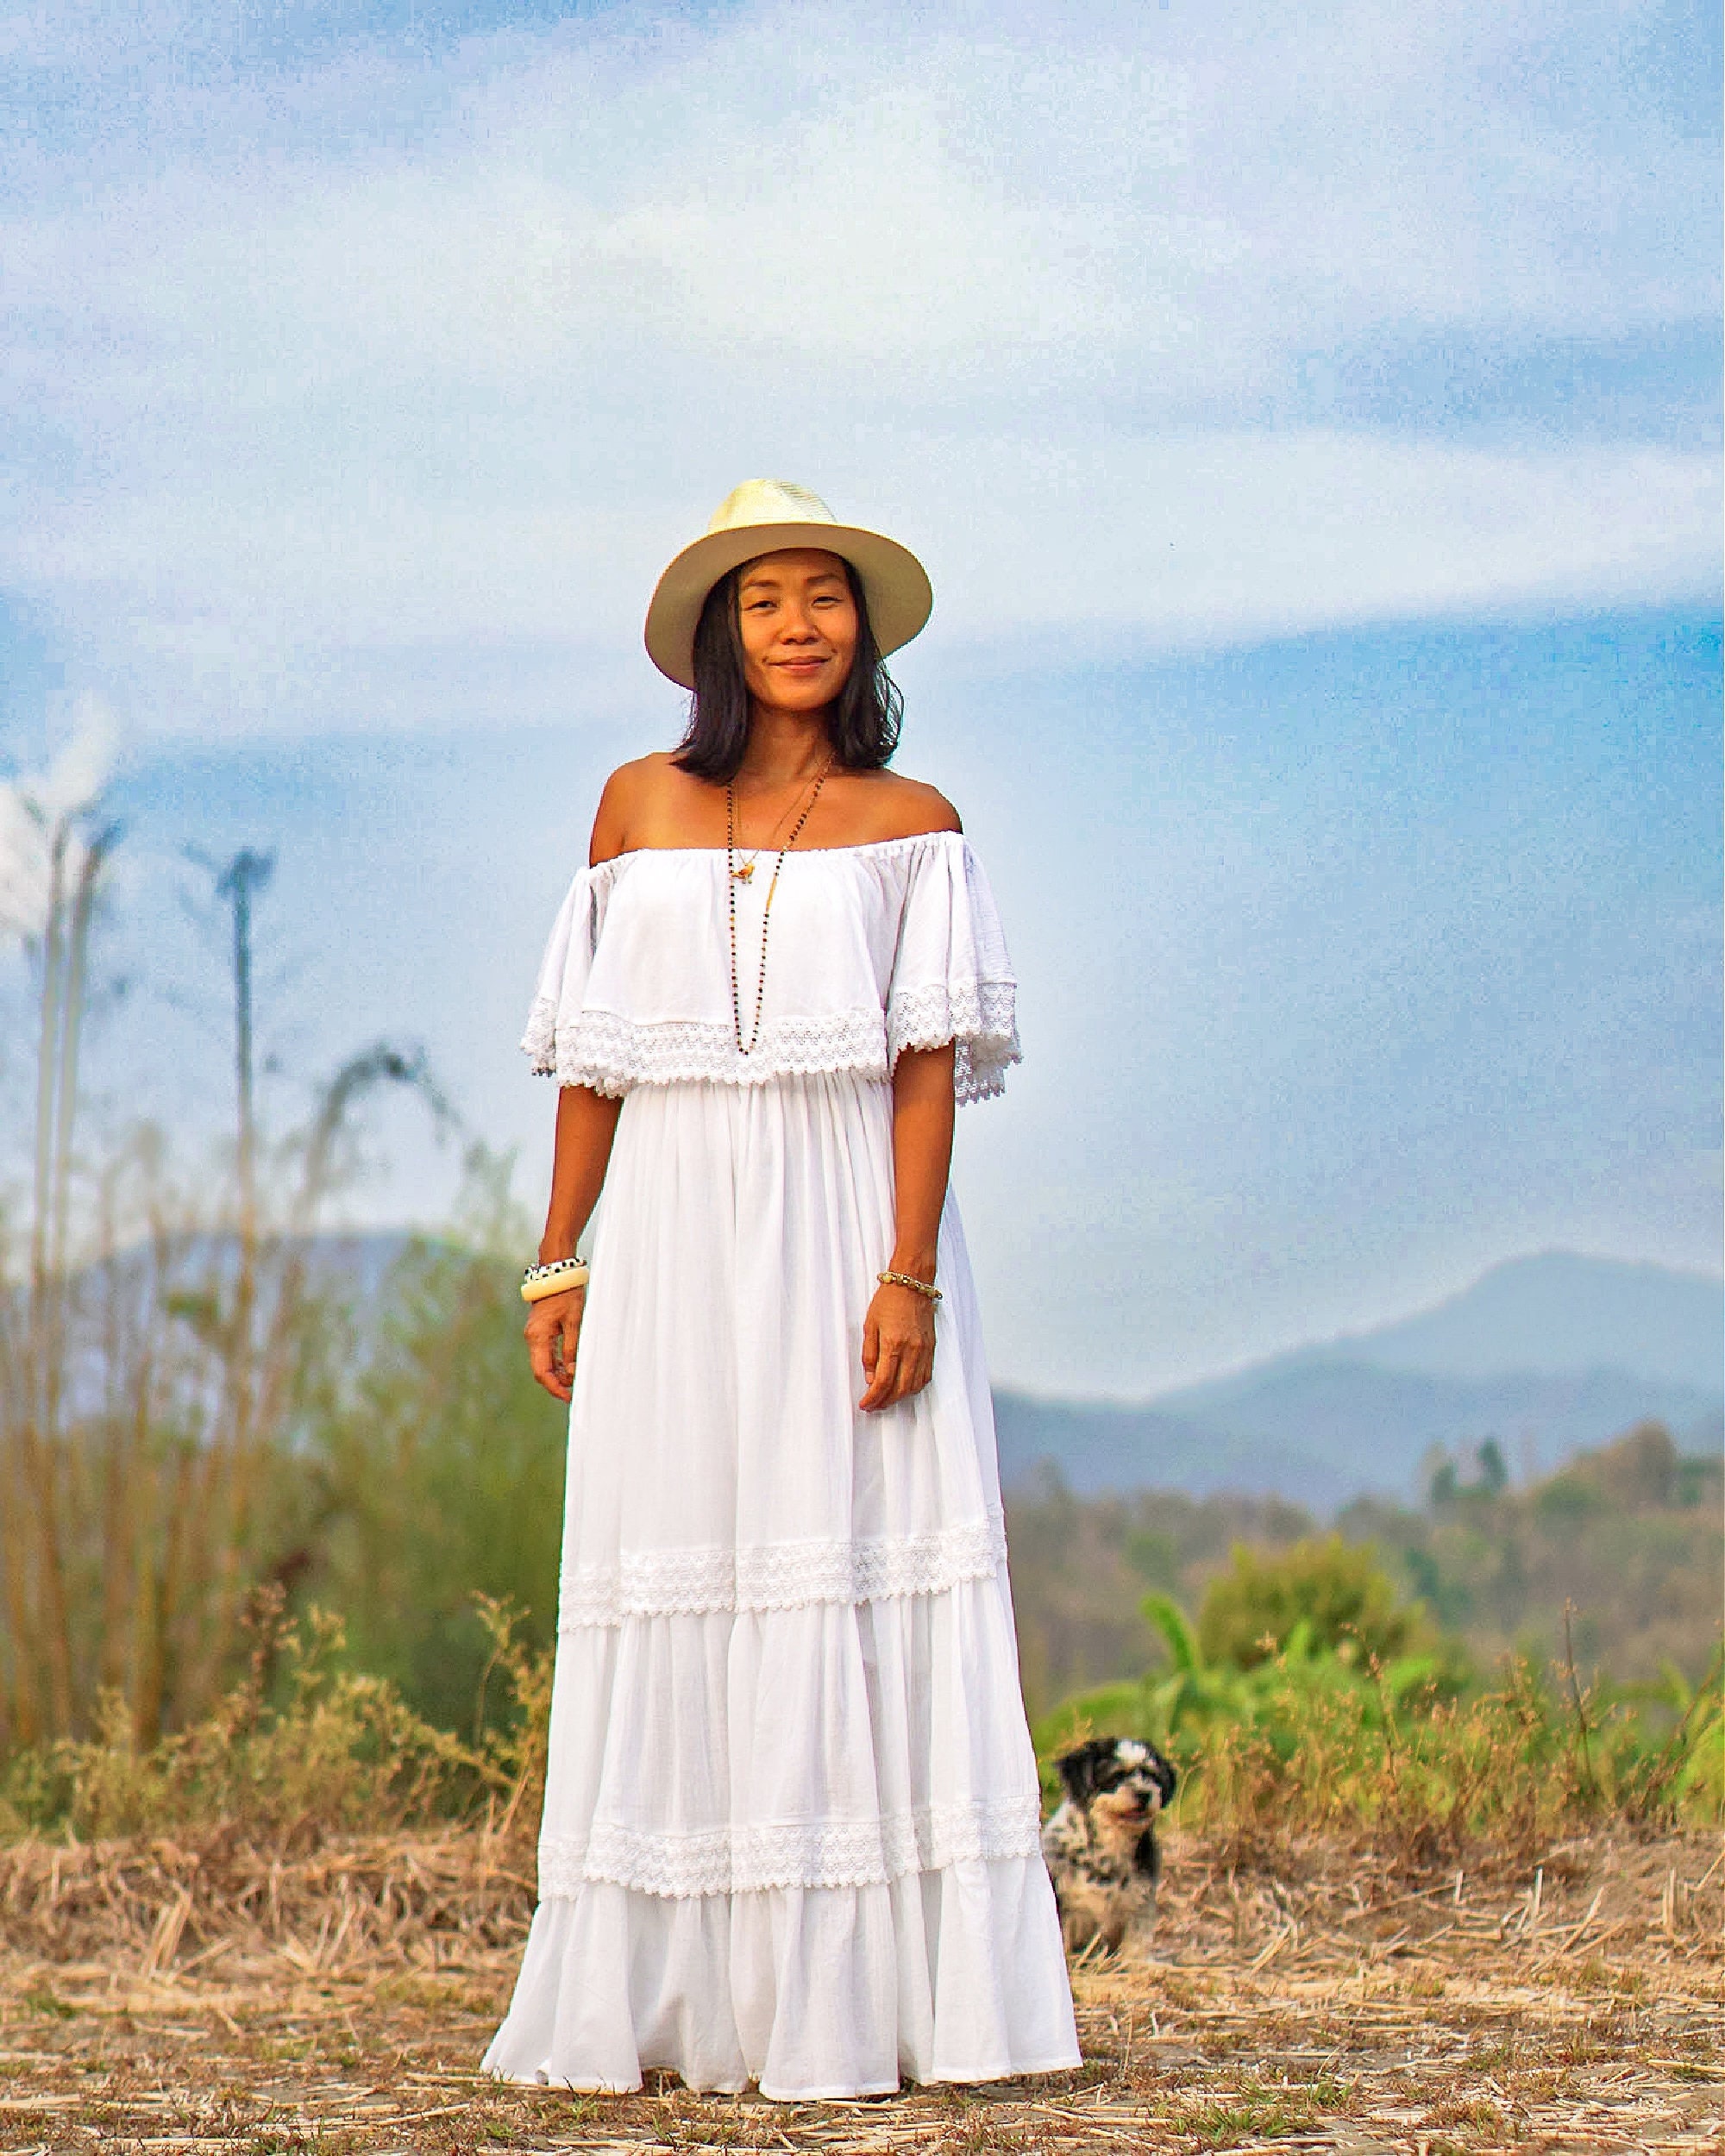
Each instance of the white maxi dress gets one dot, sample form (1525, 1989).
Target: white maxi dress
(790, 1832)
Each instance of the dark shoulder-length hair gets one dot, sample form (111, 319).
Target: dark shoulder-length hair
(863, 720)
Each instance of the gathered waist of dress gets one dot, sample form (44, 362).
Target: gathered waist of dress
(800, 1095)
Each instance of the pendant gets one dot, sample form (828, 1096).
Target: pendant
(744, 873)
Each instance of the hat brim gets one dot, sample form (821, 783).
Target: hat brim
(895, 583)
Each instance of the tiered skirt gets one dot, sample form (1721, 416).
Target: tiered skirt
(791, 1822)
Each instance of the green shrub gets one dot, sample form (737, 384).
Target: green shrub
(302, 1747)
(442, 1470)
(1567, 1503)
(1338, 1591)
(1310, 1739)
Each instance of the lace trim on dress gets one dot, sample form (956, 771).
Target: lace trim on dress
(764, 1576)
(980, 1018)
(751, 1860)
(609, 1053)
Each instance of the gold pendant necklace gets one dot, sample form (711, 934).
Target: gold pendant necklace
(744, 873)
(737, 875)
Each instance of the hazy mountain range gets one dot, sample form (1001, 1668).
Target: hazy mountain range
(1546, 1354)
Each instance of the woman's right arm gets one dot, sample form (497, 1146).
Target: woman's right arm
(587, 1122)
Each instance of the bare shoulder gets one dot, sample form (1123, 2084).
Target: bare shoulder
(895, 807)
(631, 799)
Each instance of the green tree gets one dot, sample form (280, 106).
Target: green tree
(1339, 1591)
(444, 1470)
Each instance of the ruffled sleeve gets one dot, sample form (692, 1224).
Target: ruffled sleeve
(563, 973)
(952, 979)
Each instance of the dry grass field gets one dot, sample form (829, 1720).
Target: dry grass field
(204, 1995)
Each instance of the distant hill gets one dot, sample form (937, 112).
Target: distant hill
(350, 1267)
(1098, 1447)
(1555, 1313)
(1550, 1354)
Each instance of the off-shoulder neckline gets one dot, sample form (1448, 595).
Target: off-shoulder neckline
(864, 846)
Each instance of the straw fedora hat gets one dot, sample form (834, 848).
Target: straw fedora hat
(760, 516)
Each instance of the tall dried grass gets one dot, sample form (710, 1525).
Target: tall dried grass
(301, 1749)
(158, 1339)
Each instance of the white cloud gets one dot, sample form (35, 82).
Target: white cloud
(1199, 539)
(33, 807)
(399, 360)
(1178, 539)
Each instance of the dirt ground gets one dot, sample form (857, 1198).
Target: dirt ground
(182, 1997)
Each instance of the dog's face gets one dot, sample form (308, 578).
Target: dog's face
(1100, 1843)
(1122, 1783)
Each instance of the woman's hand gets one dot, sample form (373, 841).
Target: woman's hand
(898, 1345)
(553, 1333)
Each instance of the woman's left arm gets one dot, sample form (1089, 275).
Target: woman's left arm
(898, 1332)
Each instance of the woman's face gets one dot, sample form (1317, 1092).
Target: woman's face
(799, 628)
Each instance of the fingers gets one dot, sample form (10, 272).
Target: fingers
(898, 1357)
(550, 1375)
(901, 1371)
(884, 1386)
(916, 1367)
(553, 1335)
(922, 1370)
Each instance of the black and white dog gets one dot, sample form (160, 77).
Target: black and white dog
(1100, 1844)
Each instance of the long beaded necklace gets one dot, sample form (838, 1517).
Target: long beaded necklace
(745, 872)
(733, 878)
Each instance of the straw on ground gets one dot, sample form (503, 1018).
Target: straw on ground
(205, 1993)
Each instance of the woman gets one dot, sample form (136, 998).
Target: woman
(790, 1820)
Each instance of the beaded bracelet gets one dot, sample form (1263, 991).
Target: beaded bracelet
(557, 1278)
(909, 1280)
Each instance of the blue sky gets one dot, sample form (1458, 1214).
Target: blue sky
(1310, 421)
